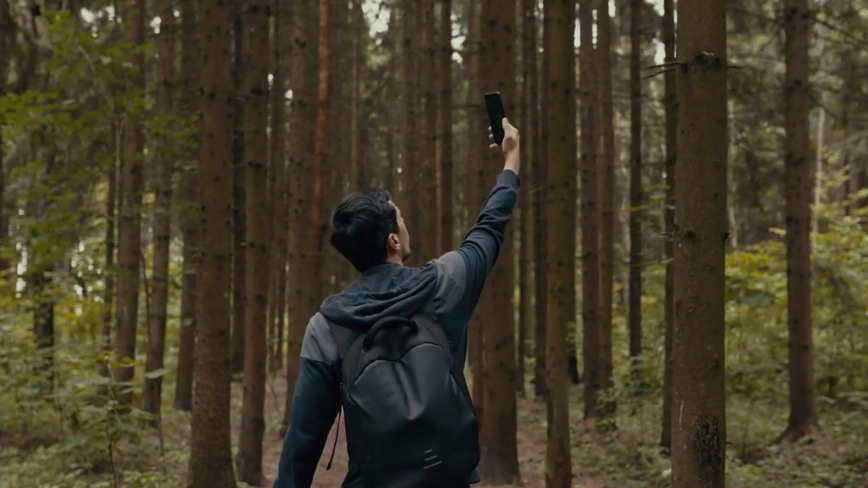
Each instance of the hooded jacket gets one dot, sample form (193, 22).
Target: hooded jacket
(451, 284)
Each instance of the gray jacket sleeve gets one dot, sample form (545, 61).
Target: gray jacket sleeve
(461, 273)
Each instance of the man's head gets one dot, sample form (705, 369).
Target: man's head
(367, 229)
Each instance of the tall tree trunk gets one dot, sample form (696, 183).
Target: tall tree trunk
(109, 272)
(301, 295)
(444, 152)
(239, 228)
(278, 230)
(559, 92)
(539, 174)
(474, 197)
(427, 243)
(319, 152)
(5, 25)
(256, 158)
(527, 202)
(590, 216)
(671, 108)
(410, 153)
(153, 386)
(130, 225)
(803, 410)
(188, 102)
(210, 446)
(499, 442)
(359, 33)
(698, 374)
(635, 283)
(606, 182)
(39, 276)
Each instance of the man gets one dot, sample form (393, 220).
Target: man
(369, 231)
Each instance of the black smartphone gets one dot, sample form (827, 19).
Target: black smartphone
(496, 113)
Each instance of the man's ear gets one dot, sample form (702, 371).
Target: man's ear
(394, 242)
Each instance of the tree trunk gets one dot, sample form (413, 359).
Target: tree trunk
(239, 229)
(109, 272)
(527, 202)
(444, 152)
(499, 443)
(189, 104)
(278, 230)
(357, 26)
(410, 154)
(803, 410)
(474, 166)
(561, 197)
(5, 24)
(539, 172)
(671, 108)
(635, 283)
(698, 374)
(210, 448)
(606, 182)
(427, 243)
(130, 225)
(590, 216)
(153, 386)
(318, 225)
(249, 461)
(302, 295)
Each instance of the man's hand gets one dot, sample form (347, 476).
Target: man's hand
(510, 146)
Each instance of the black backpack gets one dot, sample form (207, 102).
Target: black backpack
(409, 418)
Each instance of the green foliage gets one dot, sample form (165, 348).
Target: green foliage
(756, 364)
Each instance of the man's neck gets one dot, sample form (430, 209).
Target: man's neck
(396, 259)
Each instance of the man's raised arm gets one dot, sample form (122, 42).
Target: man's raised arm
(463, 271)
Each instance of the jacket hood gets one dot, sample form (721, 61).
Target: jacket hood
(386, 289)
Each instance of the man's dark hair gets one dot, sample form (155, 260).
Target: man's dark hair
(361, 225)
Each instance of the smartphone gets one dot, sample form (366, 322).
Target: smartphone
(496, 113)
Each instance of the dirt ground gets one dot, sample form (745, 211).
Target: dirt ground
(531, 448)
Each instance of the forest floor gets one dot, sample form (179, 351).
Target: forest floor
(531, 447)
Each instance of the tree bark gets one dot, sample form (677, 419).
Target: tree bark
(444, 119)
(606, 165)
(698, 374)
(189, 103)
(210, 448)
(589, 206)
(130, 225)
(474, 197)
(410, 154)
(671, 108)
(358, 29)
(635, 282)
(527, 201)
(561, 221)
(315, 273)
(5, 24)
(499, 443)
(153, 386)
(256, 218)
(277, 164)
(803, 419)
(109, 272)
(539, 175)
(239, 229)
(427, 243)
(301, 295)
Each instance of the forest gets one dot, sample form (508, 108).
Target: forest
(676, 303)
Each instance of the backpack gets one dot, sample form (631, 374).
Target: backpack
(408, 414)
